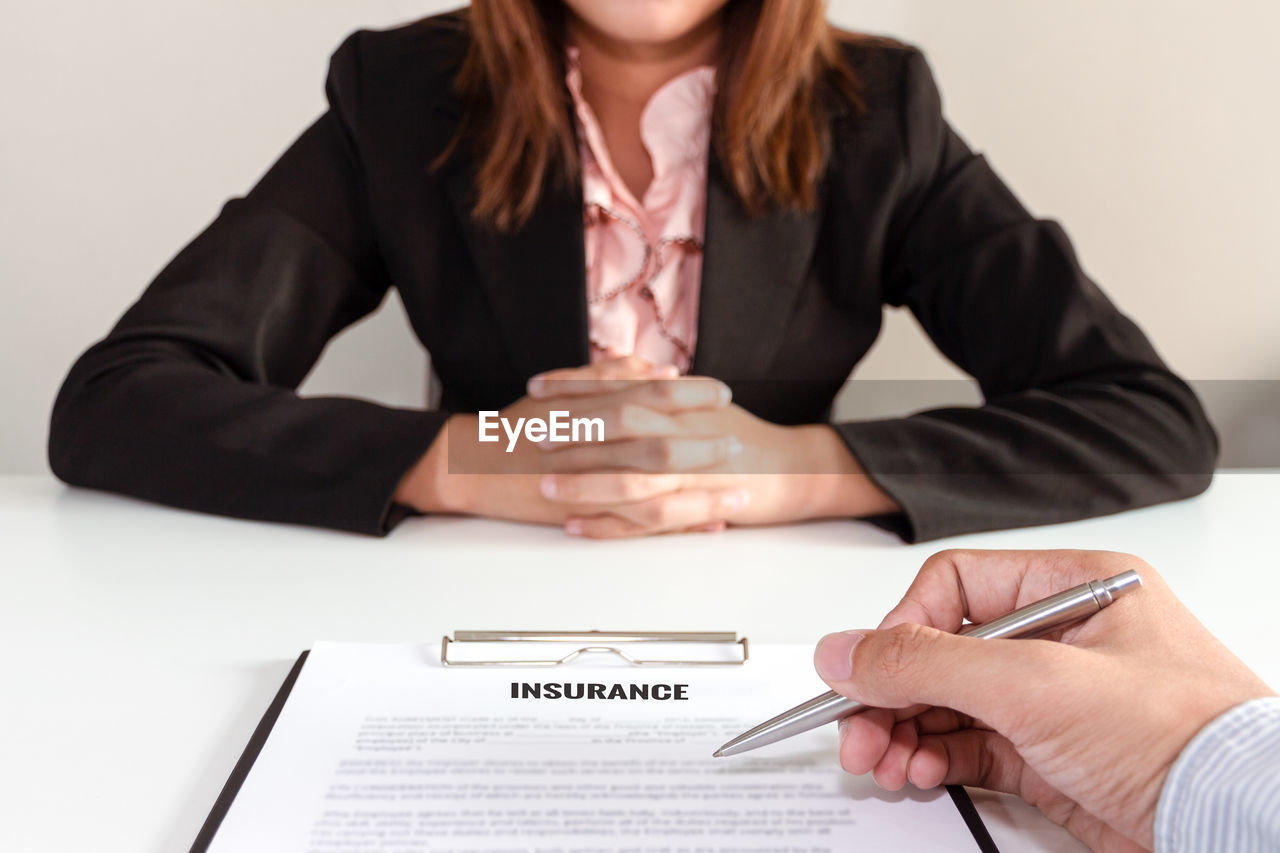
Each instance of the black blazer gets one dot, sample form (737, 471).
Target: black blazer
(190, 399)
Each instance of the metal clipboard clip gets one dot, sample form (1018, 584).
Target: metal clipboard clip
(599, 642)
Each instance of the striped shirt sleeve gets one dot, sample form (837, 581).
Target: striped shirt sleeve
(1223, 792)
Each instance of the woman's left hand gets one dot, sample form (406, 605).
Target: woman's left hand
(700, 469)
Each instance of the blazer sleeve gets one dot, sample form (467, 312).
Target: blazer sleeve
(190, 400)
(1081, 417)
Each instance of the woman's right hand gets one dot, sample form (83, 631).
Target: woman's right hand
(460, 474)
(1085, 729)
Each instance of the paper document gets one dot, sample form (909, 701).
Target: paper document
(380, 748)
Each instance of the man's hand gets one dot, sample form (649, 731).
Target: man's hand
(1085, 729)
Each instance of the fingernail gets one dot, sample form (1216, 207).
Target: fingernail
(536, 385)
(724, 394)
(573, 527)
(548, 487)
(834, 656)
(737, 499)
(733, 447)
(667, 371)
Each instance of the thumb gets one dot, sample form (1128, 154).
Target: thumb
(912, 664)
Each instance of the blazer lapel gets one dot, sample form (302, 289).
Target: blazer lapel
(534, 278)
(752, 271)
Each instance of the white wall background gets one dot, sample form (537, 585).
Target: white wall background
(1148, 127)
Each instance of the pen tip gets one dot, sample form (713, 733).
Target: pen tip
(717, 754)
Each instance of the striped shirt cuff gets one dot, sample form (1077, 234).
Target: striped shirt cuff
(1223, 792)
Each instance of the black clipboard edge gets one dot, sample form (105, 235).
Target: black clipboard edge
(250, 754)
(973, 820)
(959, 796)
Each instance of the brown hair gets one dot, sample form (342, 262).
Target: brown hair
(769, 123)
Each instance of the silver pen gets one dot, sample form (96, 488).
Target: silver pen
(1043, 616)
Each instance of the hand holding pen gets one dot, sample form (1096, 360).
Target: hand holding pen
(1085, 729)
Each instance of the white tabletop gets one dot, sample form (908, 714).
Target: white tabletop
(142, 644)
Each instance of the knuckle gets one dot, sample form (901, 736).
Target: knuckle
(723, 449)
(630, 366)
(667, 514)
(944, 558)
(629, 416)
(986, 762)
(568, 488)
(658, 455)
(896, 651)
(950, 563)
(647, 514)
(711, 392)
(596, 529)
(1120, 561)
(613, 416)
(632, 487)
(663, 391)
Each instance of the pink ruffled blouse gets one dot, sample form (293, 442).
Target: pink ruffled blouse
(644, 256)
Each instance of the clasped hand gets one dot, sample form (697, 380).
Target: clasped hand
(677, 455)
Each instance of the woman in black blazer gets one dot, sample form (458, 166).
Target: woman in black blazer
(190, 399)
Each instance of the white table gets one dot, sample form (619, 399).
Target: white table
(142, 644)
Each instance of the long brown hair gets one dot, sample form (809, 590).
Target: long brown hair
(769, 122)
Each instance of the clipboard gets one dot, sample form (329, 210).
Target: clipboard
(599, 642)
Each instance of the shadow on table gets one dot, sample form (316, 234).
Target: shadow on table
(488, 533)
(102, 525)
